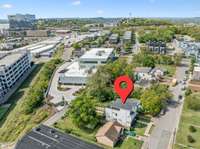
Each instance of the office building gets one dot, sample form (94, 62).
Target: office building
(21, 22)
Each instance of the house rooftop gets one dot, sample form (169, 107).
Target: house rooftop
(143, 69)
(110, 130)
(44, 137)
(130, 103)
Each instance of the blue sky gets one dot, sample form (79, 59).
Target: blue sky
(101, 8)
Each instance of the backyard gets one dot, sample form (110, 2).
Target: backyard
(66, 125)
(130, 143)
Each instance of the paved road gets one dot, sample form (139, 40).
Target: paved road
(136, 46)
(166, 125)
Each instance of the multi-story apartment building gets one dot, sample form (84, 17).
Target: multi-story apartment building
(21, 22)
(157, 47)
(127, 37)
(12, 68)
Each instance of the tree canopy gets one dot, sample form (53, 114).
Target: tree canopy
(154, 99)
(83, 112)
(100, 85)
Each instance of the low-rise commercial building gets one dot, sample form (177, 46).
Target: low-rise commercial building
(12, 67)
(43, 48)
(124, 114)
(95, 57)
(78, 72)
(37, 33)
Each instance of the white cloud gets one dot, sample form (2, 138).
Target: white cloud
(76, 2)
(6, 6)
(100, 11)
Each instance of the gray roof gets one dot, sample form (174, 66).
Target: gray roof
(130, 103)
(114, 36)
(143, 69)
(45, 137)
(10, 58)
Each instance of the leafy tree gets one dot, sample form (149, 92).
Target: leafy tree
(193, 101)
(83, 112)
(151, 102)
(154, 99)
(100, 85)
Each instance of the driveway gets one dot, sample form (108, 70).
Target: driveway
(166, 126)
(57, 95)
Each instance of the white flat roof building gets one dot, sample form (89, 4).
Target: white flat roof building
(41, 47)
(78, 72)
(74, 74)
(96, 56)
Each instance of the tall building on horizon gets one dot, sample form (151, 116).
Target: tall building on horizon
(22, 21)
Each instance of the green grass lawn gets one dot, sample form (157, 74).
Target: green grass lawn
(171, 69)
(130, 143)
(188, 118)
(66, 125)
(3, 110)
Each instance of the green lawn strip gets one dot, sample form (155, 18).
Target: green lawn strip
(171, 69)
(3, 110)
(140, 128)
(188, 118)
(130, 143)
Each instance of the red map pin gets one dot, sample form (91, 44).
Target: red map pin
(123, 92)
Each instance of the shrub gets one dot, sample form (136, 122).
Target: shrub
(192, 129)
(190, 139)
